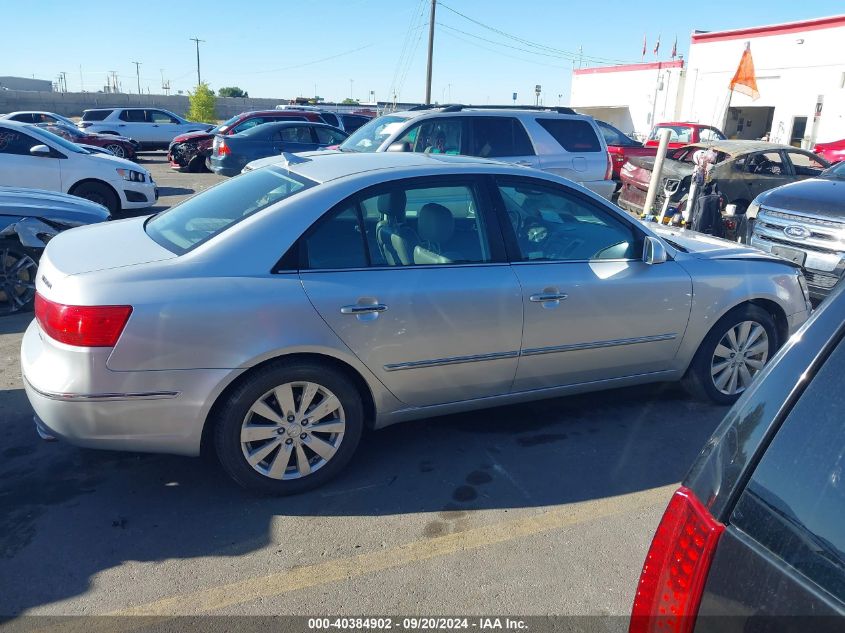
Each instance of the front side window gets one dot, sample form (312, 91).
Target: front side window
(710, 134)
(14, 142)
(677, 133)
(295, 134)
(499, 136)
(159, 117)
(370, 137)
(806, 164)
(249, 123)
(207, 214)
(573, 135)
(553, 225)
(436, 136)
(764, 164)
(327, 136)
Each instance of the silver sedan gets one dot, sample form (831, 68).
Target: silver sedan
(273, 317)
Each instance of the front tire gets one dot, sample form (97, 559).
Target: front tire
(18, 267)
(734, 351)
(289, 427)
(99, 193)
(116, 149)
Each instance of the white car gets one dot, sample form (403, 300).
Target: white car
(33, 157)
(153, 128)
(38, 116)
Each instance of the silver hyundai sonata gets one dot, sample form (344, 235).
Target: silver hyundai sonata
(274, 316)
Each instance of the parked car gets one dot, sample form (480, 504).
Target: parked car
(33, 157)
(309, 299)
(190, 152)
(346, 121)
(743, 170)
(753, 538)
(38, 116)
(682, 134)
(558, 140)
(153, 128)
(119, 146)
(621, 147)
(832, 152)
(29, 218)
(805, 222)
(230, 154)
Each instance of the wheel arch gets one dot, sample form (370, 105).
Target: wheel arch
(96, 181)
(364, 388)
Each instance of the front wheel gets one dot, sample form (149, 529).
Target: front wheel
(116, 149)
(17, 277)
(732, 354)
(289, 427)
(99, 193)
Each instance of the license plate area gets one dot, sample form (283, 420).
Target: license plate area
(792, 254)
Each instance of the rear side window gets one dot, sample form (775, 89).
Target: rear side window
(573, 135)
(96, 115)
(201, 217)
(794, 503)
(352, 122)
(499, 136)
(329, 118)
(133, 116)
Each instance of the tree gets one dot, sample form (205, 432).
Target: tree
(349, 101)
(201, 102)
(232, 91)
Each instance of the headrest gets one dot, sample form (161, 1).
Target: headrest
(435, 223)
(392, 205)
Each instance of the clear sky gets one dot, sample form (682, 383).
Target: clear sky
(284, 48)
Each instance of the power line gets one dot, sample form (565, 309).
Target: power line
(311, 63)
(416, 16)
(503, 54)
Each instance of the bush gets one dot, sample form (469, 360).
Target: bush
(201, 104)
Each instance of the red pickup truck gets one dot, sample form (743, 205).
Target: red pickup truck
(621, 147)
(683, 133)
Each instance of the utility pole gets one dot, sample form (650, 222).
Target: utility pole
(430, 52)
(81, 80)
(351, 82)
(197, 40)
(138, 74)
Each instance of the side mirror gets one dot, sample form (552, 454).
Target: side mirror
(654, 252)
(399, 147)
(40, 150)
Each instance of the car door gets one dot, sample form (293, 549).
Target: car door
(164, 127)
(411, 276)
(593, 309)
(502, 138)
(574, 150)
(804, 164)
(761, 171)
(132, 122)
(19, 168)
(296, 138)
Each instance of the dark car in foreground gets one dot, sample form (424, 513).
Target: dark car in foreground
(230, 154)
(119, 146)
(805, 222)
(754, 539)
(29, 218)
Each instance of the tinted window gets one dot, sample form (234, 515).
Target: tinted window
(329, 118)
(436, 136)
(25, 117)
(612, 136)
(499, 136)
(805, 164)
(211, 212)
(157, 116)
(553, 225)
(573, 135)
(14, 142)
(336, 242)
(326, 136)
(794, 504)
(296, 134)
(133, 116)
(352, 122)
(96, 115)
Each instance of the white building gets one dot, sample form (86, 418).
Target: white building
(631, 97)
(799, 69)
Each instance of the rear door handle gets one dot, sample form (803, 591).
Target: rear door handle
(547, 297)
(363, 309)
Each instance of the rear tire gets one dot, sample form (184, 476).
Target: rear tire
(732, 354)
(99, 193)
(116, 149)
(282, 406)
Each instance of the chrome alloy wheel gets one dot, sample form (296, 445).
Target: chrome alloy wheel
(739, 356)
(17, 280)
(292, 430)
(116, 149)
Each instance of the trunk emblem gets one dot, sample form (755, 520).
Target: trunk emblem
(46, 283)
(798, 232)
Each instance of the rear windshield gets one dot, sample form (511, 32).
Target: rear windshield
(677, 133)
(201, 217)
(95, 115)
(573, 135)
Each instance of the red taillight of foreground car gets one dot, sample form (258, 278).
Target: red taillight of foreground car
(675, 569)
(223, 149)
(82, 326)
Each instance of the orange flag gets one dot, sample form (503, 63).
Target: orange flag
(744, 80)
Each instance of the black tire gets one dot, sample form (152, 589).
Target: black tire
(231, 415)
(99, 193)
(197, 164)
(18, 267)
(698, 380)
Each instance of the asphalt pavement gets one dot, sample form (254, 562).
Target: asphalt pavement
(535, 509)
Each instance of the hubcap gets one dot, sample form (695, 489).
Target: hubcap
(739, 356)
(17, 280)
(292, 430)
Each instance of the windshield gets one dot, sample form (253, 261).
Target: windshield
(369, 137)
(44, 135)
(201, 217)
(679, 133)
(837, 171)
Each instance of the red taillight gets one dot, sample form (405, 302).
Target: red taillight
(676, 567)
(223, 149)
(608, 172)
(82, 326)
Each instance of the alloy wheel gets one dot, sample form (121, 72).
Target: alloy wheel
(117, 150)
(292, 430)
(17, 280)
(740, 355)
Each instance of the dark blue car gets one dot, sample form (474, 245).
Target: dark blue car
(229, 154)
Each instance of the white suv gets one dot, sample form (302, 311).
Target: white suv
(34, 158)
(153, 128)
(557, 140)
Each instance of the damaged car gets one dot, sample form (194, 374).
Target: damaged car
(29, 219)
(742, 171)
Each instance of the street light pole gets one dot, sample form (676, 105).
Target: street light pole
(138, 74)
(197, 40)
(430, 53)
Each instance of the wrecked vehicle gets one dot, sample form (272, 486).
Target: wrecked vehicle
(742, 171)
(29, 218)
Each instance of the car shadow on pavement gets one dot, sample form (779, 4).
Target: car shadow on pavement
(15, 323)
(67, 514)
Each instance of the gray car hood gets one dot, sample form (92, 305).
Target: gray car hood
(819, 196)
(37, 203)
(708, 247)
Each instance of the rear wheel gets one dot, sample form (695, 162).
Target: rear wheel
(289, 427)
(116, 149)
(732, 354)
(99, 193)
(18, 267)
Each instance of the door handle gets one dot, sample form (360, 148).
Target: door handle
(363, 309)
(546, 297)
(524, 163)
